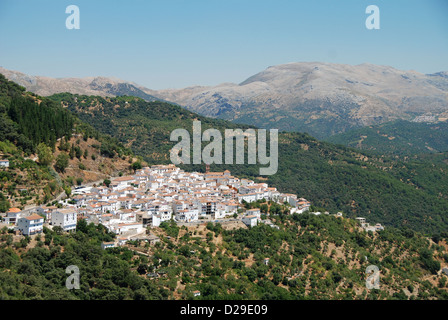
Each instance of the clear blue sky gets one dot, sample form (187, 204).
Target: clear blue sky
(174, 43)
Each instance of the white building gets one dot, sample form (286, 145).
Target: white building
(187, 215)
(4, 163)
(122, 183)
(105, 245)
(65, 218)
(133, 227)
(250, 221)
(254, 212)
(46, 212)
(156, 221)
(249, 197)
(13, 215)
(30, 225)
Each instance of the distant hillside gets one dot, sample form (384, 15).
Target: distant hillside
(49, 149)
(101, 86)
(398, 138)
(337, 178)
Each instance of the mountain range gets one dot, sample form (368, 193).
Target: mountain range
(321, 99)
(98, 86)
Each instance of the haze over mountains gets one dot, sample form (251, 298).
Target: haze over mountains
(98, 86)
(319, 98)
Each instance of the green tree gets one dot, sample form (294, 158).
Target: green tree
(44, 153)
(72, 152)
(68, 190)
(61, 162)
(136, 165)
(107, 182)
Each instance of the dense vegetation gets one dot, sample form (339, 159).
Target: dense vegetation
(40, 272)
(393, 192)
(401, 138)
(26, 121)
(32, 125)
(383, 190)
(25, 182)
(145, 127)
(319, 118)
(310, 257)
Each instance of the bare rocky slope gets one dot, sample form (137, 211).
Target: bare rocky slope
(321, 98)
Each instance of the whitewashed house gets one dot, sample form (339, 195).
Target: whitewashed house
(254, 212)
(133, 227)
(4, 163)
(187, 215)
(12, 216)
(30, 225)
(248, 197)
(250, 221)
(65, 218)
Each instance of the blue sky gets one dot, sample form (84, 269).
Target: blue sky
(173, 43)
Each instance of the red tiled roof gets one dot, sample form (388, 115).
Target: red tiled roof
(34, 217)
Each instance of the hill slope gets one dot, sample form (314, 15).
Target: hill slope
(101, 86)
(49, 149)
(144, 127)
(397, 138)
(311, 257)
(387, 191)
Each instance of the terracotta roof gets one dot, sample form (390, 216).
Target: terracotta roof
(128, 224)
(126, 178)
(34, 217)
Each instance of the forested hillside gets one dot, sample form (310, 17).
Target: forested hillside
(385, 190)
(401, 138)
(49, 149)
(310, 257)
(145, 127)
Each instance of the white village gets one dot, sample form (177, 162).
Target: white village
(131, 204)
(151, 196)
